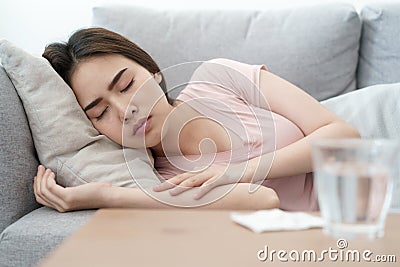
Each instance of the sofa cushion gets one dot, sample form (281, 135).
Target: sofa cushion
(32, 237)
(64, 138)
(380, 44)
(375, 112)
(18, 161)
(314, 47)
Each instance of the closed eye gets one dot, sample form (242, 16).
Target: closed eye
(128, 86)
(101, 115)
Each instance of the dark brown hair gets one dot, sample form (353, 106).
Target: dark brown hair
(89, 42)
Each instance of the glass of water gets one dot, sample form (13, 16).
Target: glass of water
(354, 181)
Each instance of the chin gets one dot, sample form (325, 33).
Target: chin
(151, 141)
(138, 143)
(135, 144)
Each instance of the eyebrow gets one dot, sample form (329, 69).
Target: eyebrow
(110, 87)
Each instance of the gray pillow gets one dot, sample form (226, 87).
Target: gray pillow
(64, 138)
(314, 47)
(380, 44)
(375, 112)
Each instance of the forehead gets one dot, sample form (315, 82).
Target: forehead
(100, 67)
(94, 74)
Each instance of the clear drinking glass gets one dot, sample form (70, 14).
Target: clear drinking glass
(354, 181)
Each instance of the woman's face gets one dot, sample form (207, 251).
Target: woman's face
(122, 99)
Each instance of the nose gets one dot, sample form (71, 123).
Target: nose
(126, 113)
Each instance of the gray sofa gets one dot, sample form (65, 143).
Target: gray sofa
(327, 50)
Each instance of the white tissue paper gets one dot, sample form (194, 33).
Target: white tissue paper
(276, 220)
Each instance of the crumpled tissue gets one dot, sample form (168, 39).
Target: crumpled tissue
(276, 220)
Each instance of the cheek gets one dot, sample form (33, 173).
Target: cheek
(150, 92)
(110, 129)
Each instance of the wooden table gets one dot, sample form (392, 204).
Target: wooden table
(183, 237)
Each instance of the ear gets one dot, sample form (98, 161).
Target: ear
(157, 77)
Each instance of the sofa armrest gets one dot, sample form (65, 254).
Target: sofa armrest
(18, 161)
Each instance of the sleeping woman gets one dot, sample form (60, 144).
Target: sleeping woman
(236, 137)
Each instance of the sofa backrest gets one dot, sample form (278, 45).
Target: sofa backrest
(314, 47)
(380, 44)
(18, 160)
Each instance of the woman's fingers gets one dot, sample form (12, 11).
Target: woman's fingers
(37, 188)
(53, 193)
(44, 193)
(45, 190)
(173, 182)
(195, 180)
(43, 183)
(38, 182)
(183, 182)
(37, 195)
(206, 187)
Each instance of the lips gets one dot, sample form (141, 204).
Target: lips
(141, 126)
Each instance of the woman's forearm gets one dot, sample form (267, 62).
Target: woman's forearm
(295, 158)
(104, 195)
(239, 198)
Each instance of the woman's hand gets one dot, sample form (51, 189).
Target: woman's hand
(49, 193)
(208, 179)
